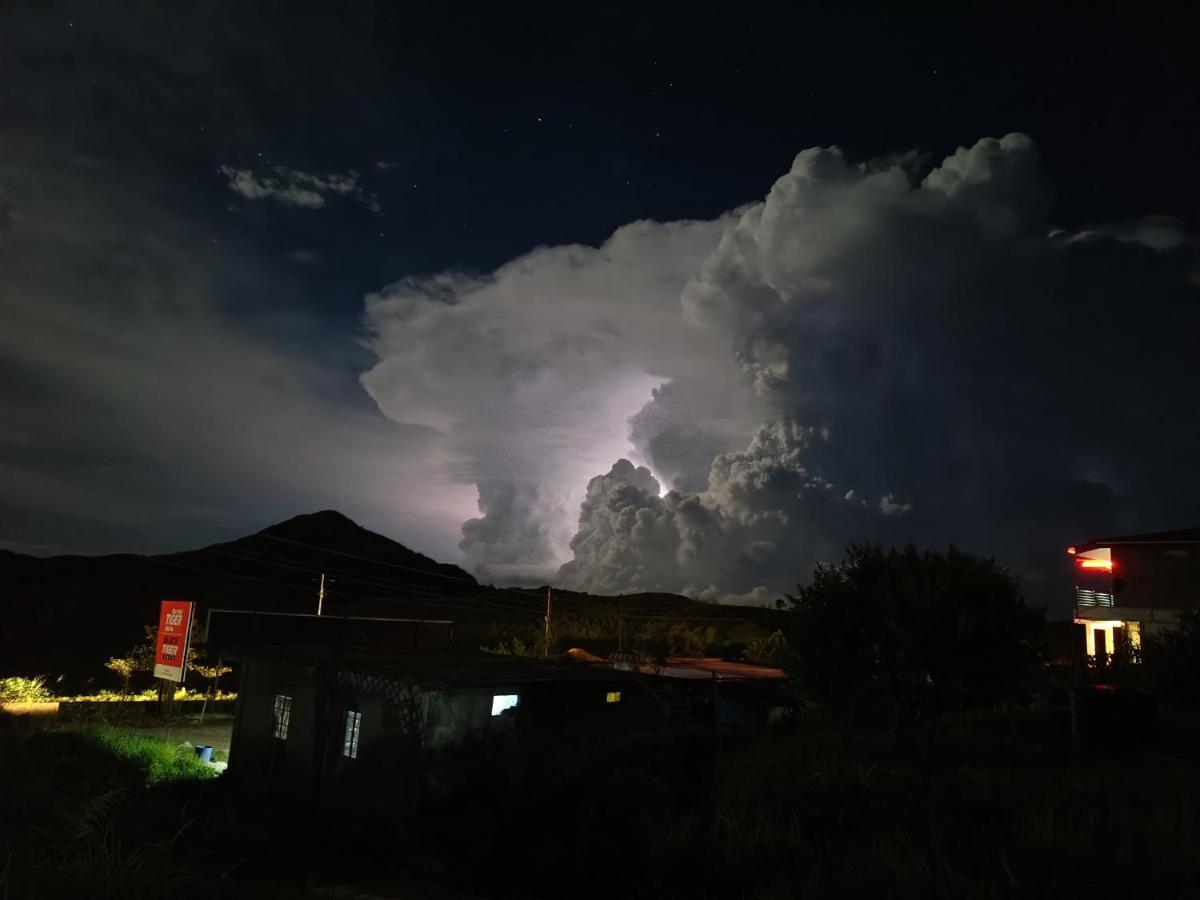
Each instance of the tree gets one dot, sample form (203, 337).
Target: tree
(208, 672)
(905, 637)
(770, 650)
(124, 667)
(684, 640)
(139, 658)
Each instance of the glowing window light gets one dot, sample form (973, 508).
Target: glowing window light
(1134, 632)
(281, 716)
(613, 697)
(503, 702)
(1102, 565)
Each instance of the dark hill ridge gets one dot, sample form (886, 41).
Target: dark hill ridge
(330, 530)
(328, 542)
(70, 613)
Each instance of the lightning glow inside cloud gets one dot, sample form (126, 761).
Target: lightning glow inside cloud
(715, 406)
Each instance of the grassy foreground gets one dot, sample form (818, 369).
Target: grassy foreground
(1002, 810)
(74, 819)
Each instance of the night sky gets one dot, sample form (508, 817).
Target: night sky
(426, 263)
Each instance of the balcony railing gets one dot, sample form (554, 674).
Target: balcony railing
(1085, 597)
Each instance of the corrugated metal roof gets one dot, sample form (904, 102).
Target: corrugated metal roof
(726, 668)
(451, 669)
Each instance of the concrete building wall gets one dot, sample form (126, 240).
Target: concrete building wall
(255, 751)
(1157, 576)
(411, 739)
(465, 716)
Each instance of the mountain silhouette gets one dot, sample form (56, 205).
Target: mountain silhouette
(68, 614)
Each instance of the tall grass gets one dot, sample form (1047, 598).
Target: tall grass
(83, 813)
(1004, 812)
(17, 688)
(160, 759)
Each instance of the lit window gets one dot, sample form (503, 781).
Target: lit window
(281, 716)
(1134, 632)
(350, 742)
(502, 702)
(613, 697)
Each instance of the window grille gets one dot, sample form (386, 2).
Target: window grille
(350, 741)
(281, 716)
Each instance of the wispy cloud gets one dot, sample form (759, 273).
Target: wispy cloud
(293, 187)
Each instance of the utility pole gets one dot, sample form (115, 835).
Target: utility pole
(549, 616)
(321, 594)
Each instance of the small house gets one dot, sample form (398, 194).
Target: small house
(406, 721)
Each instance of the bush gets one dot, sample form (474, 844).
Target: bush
(905, 638)
(24, 690)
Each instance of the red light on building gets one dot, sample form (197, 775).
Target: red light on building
(1100, 565)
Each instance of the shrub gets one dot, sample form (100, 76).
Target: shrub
(907, 637)
(770, 650)
(24, 690)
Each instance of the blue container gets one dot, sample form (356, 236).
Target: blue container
(204, 751)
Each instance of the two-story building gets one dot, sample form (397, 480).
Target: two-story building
(1127, 587)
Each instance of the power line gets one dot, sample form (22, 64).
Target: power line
(478, 604)
(347, 576)
(471, 581)
(304, 588)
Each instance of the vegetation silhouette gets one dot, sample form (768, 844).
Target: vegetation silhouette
(907, 638)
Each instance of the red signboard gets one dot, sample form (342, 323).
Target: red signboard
(174, 634)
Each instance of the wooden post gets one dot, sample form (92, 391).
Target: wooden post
(716, 701)
(166, 698)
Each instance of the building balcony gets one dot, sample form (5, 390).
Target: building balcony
(1088, 598)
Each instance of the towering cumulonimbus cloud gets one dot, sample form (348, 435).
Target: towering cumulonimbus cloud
(867, 354)
(533, 371)
(519, 535)
(761, 508)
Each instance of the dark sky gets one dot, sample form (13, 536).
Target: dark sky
(182, 361)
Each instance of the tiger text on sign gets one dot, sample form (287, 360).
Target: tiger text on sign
(174, 634)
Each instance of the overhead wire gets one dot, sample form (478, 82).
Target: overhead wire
(343, 575)
(431, 597)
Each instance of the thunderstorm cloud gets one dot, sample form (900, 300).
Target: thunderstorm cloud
(875, 351)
